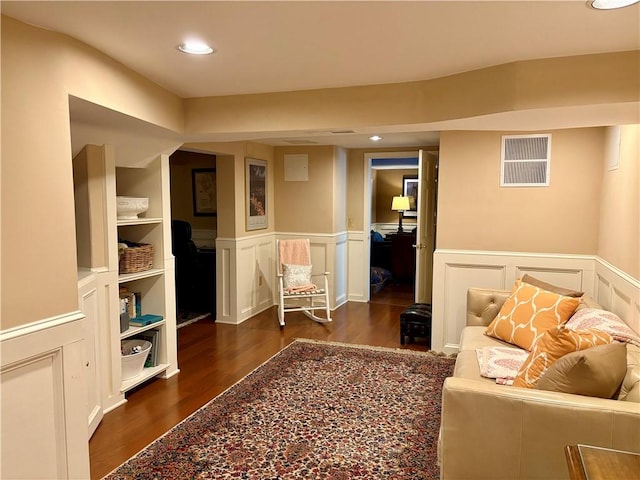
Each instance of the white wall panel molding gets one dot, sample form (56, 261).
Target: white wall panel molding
(255, 261)
(89, 302)
(357, 272)
(455, 271)
(328, 254)
(44, 399)
(52, 324)
(340, 269)
(247, 277)
(226, 281)
(618, 292)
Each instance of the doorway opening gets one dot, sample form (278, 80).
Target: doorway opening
(400, 254)
(193, 231)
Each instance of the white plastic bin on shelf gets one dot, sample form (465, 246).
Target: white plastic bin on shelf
(133, 363)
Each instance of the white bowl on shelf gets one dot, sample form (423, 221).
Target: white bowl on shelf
(128, 208)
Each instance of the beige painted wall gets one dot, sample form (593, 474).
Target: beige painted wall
(619, 236)
(181, 164)
(475, 213)
(306, 206)
(388, 185)
(230, 175)
(40, 69)
(355, 190)
(89, 196)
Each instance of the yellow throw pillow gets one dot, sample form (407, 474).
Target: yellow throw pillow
(528, 313)
(554, 344)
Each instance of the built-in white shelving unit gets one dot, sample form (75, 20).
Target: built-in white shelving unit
(155, 286)
(98, 180)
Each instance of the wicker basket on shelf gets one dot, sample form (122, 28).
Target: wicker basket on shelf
(136, 259)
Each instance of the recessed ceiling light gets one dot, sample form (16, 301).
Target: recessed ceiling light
(194, 47)
(610, 4)
(375, 138)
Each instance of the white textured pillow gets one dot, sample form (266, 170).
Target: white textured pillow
(296, 275)
(605, 321)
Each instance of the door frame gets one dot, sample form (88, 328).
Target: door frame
(366, 214)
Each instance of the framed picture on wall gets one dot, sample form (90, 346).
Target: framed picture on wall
(410, 189)
(256, 192)
(203, 185)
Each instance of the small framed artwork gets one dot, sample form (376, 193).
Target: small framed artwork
(410, 189)
(256, 190)
(203, 184)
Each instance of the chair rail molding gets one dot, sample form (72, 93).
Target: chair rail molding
(455, 271)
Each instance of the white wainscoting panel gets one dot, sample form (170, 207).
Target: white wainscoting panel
(247, 275)
(340, 270)
(618, 292)
(255, 262)
(455, 271)
(43, 400)
(458, 278)
(572, 278)
(89, 302)
(227, 294)
(328, 253)
(358, 278)
(109, 334)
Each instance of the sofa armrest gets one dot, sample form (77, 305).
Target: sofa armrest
(484, 304)
(495, 432)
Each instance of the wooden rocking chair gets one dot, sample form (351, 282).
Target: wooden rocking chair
(296, 291)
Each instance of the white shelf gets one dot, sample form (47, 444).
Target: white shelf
(145, 375)
(139, 221)
(131, 331)
(128, 277)
(155, 286)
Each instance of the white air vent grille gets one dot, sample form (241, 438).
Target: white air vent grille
(525, 160)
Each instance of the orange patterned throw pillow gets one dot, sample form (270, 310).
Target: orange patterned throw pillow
(554, 344)
(528, 313)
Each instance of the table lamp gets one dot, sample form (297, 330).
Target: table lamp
(400, 204)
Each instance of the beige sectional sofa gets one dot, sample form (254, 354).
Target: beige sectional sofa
(492, 431)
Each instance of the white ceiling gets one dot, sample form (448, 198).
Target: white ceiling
(273, 46)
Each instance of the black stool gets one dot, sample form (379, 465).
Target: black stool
(415, 321)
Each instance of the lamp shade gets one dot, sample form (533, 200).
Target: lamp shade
(400, 204)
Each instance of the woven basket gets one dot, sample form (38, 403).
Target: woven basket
(136, 259)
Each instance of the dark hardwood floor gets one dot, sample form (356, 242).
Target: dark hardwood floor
(212, 357)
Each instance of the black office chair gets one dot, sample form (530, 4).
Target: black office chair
(187, 265)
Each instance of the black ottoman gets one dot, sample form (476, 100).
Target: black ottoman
(415, 321)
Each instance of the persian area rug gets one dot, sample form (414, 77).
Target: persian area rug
(315, 410)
